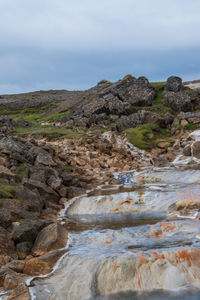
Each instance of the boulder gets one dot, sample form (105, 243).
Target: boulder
(23, 249)
(177, 101)
(139, 118)
(16, 266)
(106, 105)
(45, 191)
(52, 237)
(195, 149)
(21, 292)
(134, 91)
(43, 264)
(31, 198)
(187, 150)
(5, 173)
(54, 182)
(174, 84)
(27, 231)
(7, 246)
(5, 218)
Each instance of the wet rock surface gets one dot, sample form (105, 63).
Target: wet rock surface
(126, 241)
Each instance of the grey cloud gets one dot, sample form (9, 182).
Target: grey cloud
(106, 24)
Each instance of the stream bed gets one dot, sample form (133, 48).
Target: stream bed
(132, 241)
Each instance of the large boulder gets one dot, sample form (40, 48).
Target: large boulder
(7, 246)
(27, 231)
(43, 264)
(139, 118)
(52, 237)
(107, 104)
(174, 84)
(5, 218)
(177, 101)
(135, 91)
(31, 198)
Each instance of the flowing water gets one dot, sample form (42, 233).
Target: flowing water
(131, 241)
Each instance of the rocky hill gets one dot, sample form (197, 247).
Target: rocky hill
(56, 144)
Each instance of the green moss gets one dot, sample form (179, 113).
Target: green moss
(158, 85)
(30, 114)
(9, 190)
(49, 131)
(128, 76)
(21, 169)
(192, 126)
(54, 117)
(145, 136)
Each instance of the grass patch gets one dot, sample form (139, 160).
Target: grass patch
(192, 126)
(21, 169)
(146, 136)
(158, 85)
(30, 114)
(9, 191)
(49, 131)
(54, 117)
(158, 107)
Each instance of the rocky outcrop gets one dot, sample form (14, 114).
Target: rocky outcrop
(178, 101)
(139, 118)
(174, 84)
(134, 91)
(108, 104)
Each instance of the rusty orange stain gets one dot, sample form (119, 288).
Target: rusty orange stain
(114, 266)
(168, 226)
(139, 282)
(143, 260)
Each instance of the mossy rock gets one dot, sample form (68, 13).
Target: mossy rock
(146, 136)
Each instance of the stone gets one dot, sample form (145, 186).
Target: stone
(45, 158)
(54, 182)
(43, 264)
(174, 84)
(135, 91)
(5, 218)
(184, 123)
(52, 237)
(21, 292)
(45, 191)
(31, 198)
(139, 118)
(195, 149)
(177, 101)
(4, 259)
(7, 246)
(10, 282)
(26, 231)
(187, 150)
(176, 123)
(163, 145)
(23, 249)
(16, 266)
(160, 161)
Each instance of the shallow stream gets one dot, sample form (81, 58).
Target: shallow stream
(131, 241)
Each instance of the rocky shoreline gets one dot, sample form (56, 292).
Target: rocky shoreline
(39, 174)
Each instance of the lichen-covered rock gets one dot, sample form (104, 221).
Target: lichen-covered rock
(139, 118)
(178, 101)
(135, 91)
(174, 84)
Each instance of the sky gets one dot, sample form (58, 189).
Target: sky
(73, 44)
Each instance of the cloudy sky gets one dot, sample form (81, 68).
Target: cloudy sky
(73, 44)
